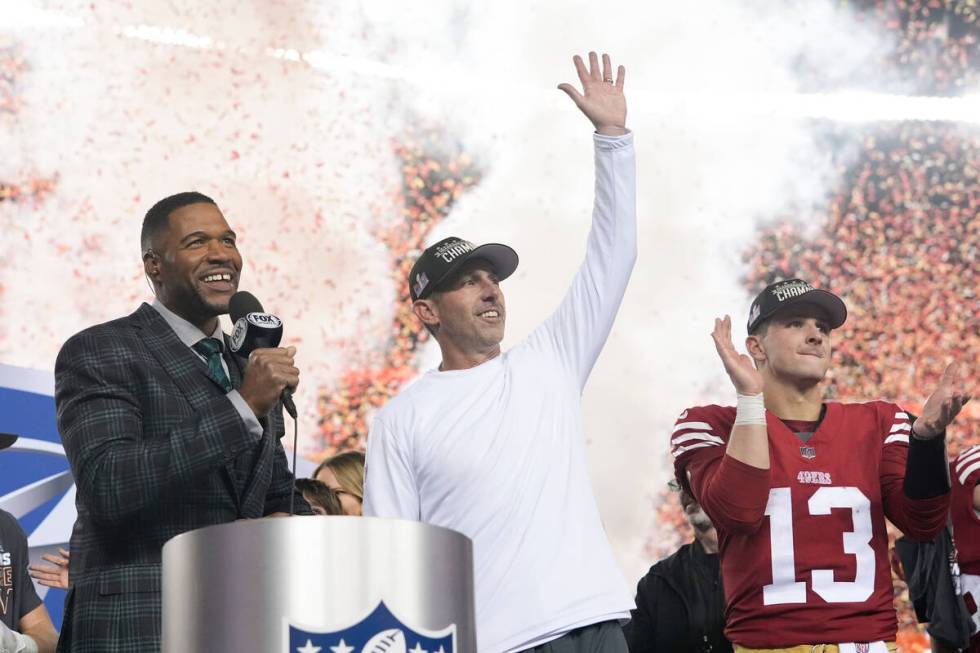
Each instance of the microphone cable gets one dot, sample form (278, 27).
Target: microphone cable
(292, 489)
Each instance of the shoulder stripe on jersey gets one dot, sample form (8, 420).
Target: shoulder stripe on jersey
(968, 470)
(969, 452)
(696, 435)
(965, 458)
(695, 426)
(898, 437)
(905, 426)
(901, 415)
(679, 450)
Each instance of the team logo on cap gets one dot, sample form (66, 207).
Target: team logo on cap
(379, 632)
(786, 291)
(421, 281)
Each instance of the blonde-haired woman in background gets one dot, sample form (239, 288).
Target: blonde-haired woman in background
(344, 473)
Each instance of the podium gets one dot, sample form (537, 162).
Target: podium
(319, 585)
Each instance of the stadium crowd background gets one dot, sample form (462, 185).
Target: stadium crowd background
(432, 180)
(898, 236)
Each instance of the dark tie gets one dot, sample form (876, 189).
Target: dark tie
(210, 349)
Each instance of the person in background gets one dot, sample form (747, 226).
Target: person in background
(25, 626)
(344, 474)
(965, 515)
(680, 603)
(322, 499)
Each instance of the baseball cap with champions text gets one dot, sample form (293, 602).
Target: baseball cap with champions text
(439, 261)
(781, 294)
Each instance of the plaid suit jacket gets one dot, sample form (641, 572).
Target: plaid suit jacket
(156, 450)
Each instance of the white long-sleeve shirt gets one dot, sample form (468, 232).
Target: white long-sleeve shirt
(497, 452)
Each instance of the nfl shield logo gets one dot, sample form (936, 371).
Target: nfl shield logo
(808, 452)
(379, 632)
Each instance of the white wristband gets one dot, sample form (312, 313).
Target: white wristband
(750, 410)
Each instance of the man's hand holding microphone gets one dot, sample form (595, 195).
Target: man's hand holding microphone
(268, 374)
(271, 372)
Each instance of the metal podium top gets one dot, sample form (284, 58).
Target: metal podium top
(343, 584)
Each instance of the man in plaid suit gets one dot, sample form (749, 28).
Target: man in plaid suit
(166, 431)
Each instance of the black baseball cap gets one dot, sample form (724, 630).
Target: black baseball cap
(438, 262)
(781, 294)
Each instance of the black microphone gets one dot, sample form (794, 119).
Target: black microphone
(256, 329)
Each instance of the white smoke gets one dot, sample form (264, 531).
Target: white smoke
(715, 157)
(126, 121)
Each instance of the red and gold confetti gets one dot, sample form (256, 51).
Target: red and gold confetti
(432, 180)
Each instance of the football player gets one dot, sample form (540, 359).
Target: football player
(799, 488)
(965, 515)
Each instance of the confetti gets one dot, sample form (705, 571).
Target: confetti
(432, 180)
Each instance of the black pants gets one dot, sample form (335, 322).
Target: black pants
(604, 637)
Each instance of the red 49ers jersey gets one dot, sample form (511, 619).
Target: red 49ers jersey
(816, 570)
(965, 476)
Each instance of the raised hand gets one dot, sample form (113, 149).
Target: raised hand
(747, 379)
(602, 100)
(52, 576)
(942, 405)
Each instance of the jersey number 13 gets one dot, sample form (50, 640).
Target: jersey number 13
(784, 587)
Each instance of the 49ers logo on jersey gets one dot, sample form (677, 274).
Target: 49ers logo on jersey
(814, 478)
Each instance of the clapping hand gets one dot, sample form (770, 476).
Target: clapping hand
(942, 406)
(740, 368)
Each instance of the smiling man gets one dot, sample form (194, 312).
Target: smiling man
(165, 430)
(799, 488)
(492, 444)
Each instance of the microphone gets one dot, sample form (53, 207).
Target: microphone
(256, 329)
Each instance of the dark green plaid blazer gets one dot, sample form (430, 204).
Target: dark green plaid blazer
(156, 450)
